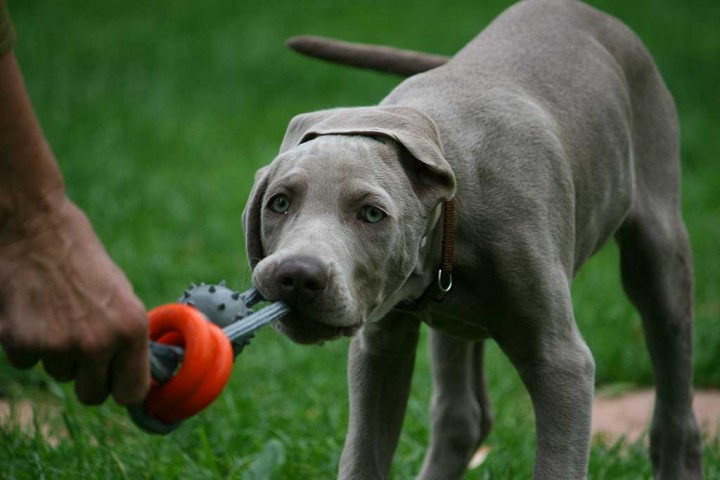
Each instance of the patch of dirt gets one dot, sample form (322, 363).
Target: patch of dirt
(26, 414)
(628, 415)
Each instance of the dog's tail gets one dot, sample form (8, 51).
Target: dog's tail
(371, 57)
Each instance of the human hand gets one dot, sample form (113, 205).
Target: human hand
(64, 302)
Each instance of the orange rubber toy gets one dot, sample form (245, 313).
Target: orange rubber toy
(205, 369)
(201, 334)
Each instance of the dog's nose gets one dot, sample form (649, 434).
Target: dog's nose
(300, 280)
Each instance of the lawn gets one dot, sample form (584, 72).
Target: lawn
(159, 114)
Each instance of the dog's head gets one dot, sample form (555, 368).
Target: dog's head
(337, 225)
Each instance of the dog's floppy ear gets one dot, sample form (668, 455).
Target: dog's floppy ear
(433, 177)
(251, 218)
(305, 124)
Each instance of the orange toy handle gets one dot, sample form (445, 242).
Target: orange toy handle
(205, 369)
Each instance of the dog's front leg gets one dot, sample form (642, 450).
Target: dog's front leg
(381, 363)
(558, 370)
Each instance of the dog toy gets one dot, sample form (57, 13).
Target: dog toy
(193, 345)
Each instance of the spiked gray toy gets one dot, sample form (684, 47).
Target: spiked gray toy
(221, 306)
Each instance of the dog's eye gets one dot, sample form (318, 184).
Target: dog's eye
(280, 203)
(371, 214)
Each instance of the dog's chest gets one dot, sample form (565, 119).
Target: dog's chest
(455, 325)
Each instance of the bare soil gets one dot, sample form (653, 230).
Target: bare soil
(628, 415)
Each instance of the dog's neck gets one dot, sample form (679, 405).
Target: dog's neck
(432, 278)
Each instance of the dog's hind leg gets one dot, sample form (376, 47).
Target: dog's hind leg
(657, 276)
(460, 410)
(481, 393)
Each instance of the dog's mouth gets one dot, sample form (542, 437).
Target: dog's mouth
(307, 331)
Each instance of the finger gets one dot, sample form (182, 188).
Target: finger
(60, 367)
(20, 359)
(130, 374)
(92, 385)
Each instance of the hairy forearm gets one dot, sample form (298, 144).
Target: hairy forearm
(30, 181)
(63, 301)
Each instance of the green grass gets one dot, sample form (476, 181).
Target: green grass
(159, 114)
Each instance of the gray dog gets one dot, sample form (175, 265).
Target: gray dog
(552, 131)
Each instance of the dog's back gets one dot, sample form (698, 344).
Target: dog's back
(573, 87)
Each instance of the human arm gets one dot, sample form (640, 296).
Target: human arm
(62, 299)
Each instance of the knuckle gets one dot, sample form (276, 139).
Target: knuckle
(16, 339)
(133, 328)
(21, 360)
(7, 339)
(57, 345)
(131, 396)
(18, 354)
(90, 395)
(94, 346)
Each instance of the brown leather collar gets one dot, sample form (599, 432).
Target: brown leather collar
(438, 288)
